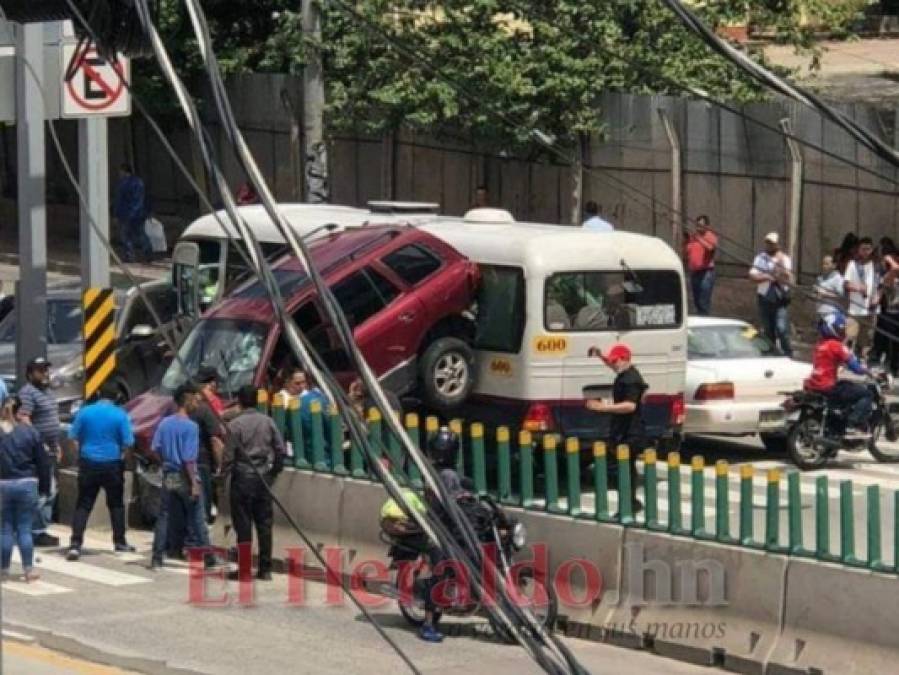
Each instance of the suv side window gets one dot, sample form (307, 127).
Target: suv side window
(363, 294)
(412, 263)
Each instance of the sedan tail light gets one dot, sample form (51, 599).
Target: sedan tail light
(715, 391)
(678, 410)
(539, 417)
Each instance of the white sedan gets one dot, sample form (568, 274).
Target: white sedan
(734, 380)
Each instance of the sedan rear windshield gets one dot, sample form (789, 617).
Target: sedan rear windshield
(728, 342)
(613, 301)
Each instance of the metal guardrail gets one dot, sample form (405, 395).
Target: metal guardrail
(326, 451)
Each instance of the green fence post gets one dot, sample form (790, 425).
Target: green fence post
(794, 507)
(875, 551)
(847, 525)
(458, 428)
(625, 499)
(504, 487)
(551, 474)
(279, 414)
(526, 476)
(651, 489)
(376, 438)
(822, 519)
(896, 530)
(697, 497)
(415, 435)
(478, 458)
(600, 482)
(772, 511)
(318, 437)
(357, 461)
(335, 433)
(746, 522)
(675, 520)
(295, 434)
(722, 501)
(262, 401)
(395, 455)
(573, 454)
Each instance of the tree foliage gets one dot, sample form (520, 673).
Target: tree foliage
(495, 69)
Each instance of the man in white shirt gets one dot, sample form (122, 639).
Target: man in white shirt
(830, 289)
(863, 287)
(594, 221)
(772, 272)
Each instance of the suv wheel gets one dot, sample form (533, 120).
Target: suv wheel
(447, 372)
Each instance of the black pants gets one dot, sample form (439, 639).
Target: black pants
(854, 397)
(91, 477)
(251, 504)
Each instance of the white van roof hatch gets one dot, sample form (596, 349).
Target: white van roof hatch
(488, 216)
(400, 208)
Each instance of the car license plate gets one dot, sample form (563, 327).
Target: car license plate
(771, 419)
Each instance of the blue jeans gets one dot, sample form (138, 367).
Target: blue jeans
(135, 239)
(42, 514)
(775, 324)
(19, 497)
(703, 282)
(193, 512)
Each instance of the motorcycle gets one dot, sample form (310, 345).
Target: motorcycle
(411, 573)
(817, 428)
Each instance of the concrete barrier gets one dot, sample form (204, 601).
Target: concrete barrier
(838, 620)
(699, 601)
(68, 497)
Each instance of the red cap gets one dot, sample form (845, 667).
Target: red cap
(618, 352)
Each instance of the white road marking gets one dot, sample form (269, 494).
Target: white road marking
(87, 572)
(35, 588)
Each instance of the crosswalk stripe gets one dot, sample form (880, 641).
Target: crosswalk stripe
(88, 572)
(35, 588)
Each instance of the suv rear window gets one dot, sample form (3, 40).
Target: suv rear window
(601, 301)
(363, 294)
(412, 264)
(500, 309)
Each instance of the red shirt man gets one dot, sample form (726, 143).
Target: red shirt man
(701, 246)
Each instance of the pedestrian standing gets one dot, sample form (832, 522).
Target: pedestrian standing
(701, 247)
(772, 273)
(254, 456)
(131, 214)
(102, 433)
(626, 425)
(863, 288)
(208, 418)
(845, 252)
(176, 445)
(24, 474)
(481, 197)
(39, 409)
(886, 339)
(294, 385)
(830, 289)
(593, 219)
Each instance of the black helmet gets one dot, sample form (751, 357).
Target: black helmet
(443, 448)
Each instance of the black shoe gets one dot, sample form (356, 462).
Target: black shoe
(264, 576)
(46, 540)
(211, 562)
(156, 564)
(73, 554)
(124, 548)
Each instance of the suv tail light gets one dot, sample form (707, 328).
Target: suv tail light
(715, 391)
(678, 410)
(539, 417)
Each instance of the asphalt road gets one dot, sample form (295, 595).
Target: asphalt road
(111, 610)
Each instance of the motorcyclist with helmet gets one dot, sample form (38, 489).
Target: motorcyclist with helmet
(443, 451)
(830, 354)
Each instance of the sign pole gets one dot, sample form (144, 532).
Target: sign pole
(93, 175)
(31, 305)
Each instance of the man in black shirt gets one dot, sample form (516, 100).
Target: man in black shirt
(626, 424)
(211, 439)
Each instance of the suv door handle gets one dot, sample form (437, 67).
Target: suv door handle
(407, 317)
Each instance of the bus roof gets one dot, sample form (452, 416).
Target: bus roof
(552, 248)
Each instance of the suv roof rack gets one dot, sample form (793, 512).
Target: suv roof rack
(403, 207)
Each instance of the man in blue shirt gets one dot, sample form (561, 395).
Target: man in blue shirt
(176, 445)
(131, 213)
(101, 432)
(593, 219)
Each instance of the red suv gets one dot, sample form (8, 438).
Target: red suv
(406, 294)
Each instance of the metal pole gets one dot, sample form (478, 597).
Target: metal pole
(577, 179)
(31, 305)
(796, 174)
(93, 175)
(315, 152)
(676, 178)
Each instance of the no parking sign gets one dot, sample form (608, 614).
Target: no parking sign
(96, 86)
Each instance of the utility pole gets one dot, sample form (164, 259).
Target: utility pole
(31, 294)
(93, 175)
(677, 217)
(317, 187)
